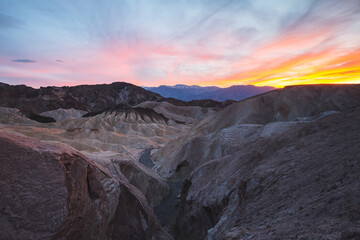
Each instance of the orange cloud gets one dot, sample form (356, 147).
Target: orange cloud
(296, 58)
(309, 68)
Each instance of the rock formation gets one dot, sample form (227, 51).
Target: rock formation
(84, 97)
(50, 191)
(281, 165)
(295, 184)
(61, 114)
(185, 114)
(222, 133)
(277, 166)
(90, 98)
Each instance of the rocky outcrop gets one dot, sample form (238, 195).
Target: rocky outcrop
(53, 192)
(36, 117)
(13, 116)
(134, 114)
(185, 114)
(121, 165)
(61, 114)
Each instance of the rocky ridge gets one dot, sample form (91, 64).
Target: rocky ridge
(89, 98)
(61, 114)
(278, 165)
(221, 133)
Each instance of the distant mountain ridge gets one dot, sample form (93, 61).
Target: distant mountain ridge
(90, 98)
(194, 92)
(82, 97)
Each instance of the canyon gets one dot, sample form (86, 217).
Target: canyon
(119, 162)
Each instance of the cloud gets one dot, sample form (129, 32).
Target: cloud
(7, 21)
(23, 61)
(156, 42)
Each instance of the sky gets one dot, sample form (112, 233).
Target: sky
(166, 42)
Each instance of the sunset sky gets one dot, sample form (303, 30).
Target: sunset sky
(167, 42)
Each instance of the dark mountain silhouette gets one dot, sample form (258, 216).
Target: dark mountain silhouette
(83, 97)
(91, 98)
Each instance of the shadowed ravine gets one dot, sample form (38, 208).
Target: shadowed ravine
(165, 210)
(145, 159)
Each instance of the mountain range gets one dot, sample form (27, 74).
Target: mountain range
(85, 98)
(120, 162)
(188, 93)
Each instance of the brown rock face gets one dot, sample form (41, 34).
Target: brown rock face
(52, 192)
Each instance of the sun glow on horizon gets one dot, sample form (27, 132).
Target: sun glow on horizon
(315, 69)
